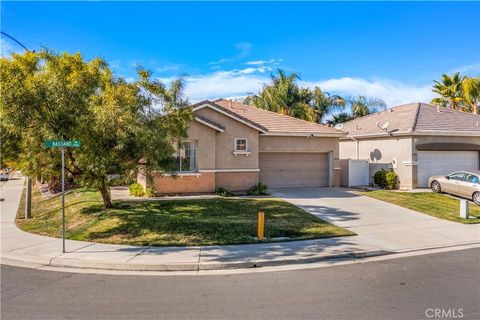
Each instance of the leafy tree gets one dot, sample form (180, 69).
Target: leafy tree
(359, 106)
(449, 89)
(47, 95)
(471, 93)
(284, 96)
(458, 93)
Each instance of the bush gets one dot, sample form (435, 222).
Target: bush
(379, 178)
(385, 179)
(258, 190)
(150, 192)
(223, 192)
(390, 180)
(136, 190)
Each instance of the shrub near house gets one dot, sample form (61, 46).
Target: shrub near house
(385, 179)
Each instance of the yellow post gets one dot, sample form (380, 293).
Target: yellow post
(261, 224)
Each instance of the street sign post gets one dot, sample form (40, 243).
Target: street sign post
(62, 144)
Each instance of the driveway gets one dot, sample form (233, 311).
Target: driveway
(379, 223)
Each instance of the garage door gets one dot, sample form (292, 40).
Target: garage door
(284, 170)
(432, 163)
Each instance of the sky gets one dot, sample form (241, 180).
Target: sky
(387, 50)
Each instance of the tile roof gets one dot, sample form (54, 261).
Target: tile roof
(270, 122)
(411, 118)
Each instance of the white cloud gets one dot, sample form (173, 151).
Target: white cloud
(238, 83)
(221, 84)
(391, 91)
(471, 69)
(274, 62)
(244, 49)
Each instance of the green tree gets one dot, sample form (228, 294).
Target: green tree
(450, 91)
(361, 106)
(471, 93)
(283, 95)
(47, 95)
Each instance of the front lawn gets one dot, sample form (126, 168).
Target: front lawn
(172, 222)
(433, 204)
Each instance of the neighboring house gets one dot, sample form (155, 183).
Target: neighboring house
(235, 146)
(415, 140)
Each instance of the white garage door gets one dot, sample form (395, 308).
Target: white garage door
(432, 163)
(282, 170)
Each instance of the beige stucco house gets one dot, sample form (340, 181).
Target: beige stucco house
(415, 140)
(235, 146)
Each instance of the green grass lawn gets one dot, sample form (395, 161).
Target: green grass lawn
(172, 222)
(433, 204)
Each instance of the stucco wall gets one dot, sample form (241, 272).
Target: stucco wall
(383, 153)
(205, 138)
(236, 181)
(204, 182)
(225, 142)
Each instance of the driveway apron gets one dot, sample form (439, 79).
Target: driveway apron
(378, 223)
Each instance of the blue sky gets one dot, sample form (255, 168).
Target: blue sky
(387, 50)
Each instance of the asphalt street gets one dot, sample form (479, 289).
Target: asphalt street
(404, 288)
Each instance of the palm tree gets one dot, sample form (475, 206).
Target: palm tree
(361, 106)
(471, 93)
(324, 103)
(283, 95)
(450, 91)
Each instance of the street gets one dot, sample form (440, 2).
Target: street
(403, 288)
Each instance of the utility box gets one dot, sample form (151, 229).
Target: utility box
(464, 208)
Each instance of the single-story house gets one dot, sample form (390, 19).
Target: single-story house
(235, 146)
(416, 140)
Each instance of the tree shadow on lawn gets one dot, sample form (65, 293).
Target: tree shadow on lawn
(206, 222)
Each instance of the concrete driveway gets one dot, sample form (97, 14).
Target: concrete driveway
(379, 223)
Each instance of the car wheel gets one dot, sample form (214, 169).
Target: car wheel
(476, 198)
(436, 187)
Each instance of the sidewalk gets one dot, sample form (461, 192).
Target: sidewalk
(26, 247)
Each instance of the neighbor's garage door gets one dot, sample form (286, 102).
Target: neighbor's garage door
(432, 163)
(282, 170)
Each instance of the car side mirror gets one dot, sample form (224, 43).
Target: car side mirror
(447, 177)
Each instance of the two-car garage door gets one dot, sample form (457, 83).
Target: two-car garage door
(286, 170)
(432, 163)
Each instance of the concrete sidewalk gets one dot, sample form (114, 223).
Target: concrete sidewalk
(18, 245)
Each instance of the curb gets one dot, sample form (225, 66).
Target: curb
(105, 265)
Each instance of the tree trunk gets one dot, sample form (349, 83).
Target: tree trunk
(107, 200)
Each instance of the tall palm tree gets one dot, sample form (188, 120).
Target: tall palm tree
(450, 91)
(471, 93)
(361, 106)
(283, 95)
(324, 103)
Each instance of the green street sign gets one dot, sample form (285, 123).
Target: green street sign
(61, 143)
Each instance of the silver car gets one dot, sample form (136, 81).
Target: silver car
(464, 184)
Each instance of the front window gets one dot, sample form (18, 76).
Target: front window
(241, 144)
(187, 157)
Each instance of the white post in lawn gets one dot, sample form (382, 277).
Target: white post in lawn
(464, 208)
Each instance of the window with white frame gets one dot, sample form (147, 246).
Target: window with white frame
(187, 157)
(241, 145)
